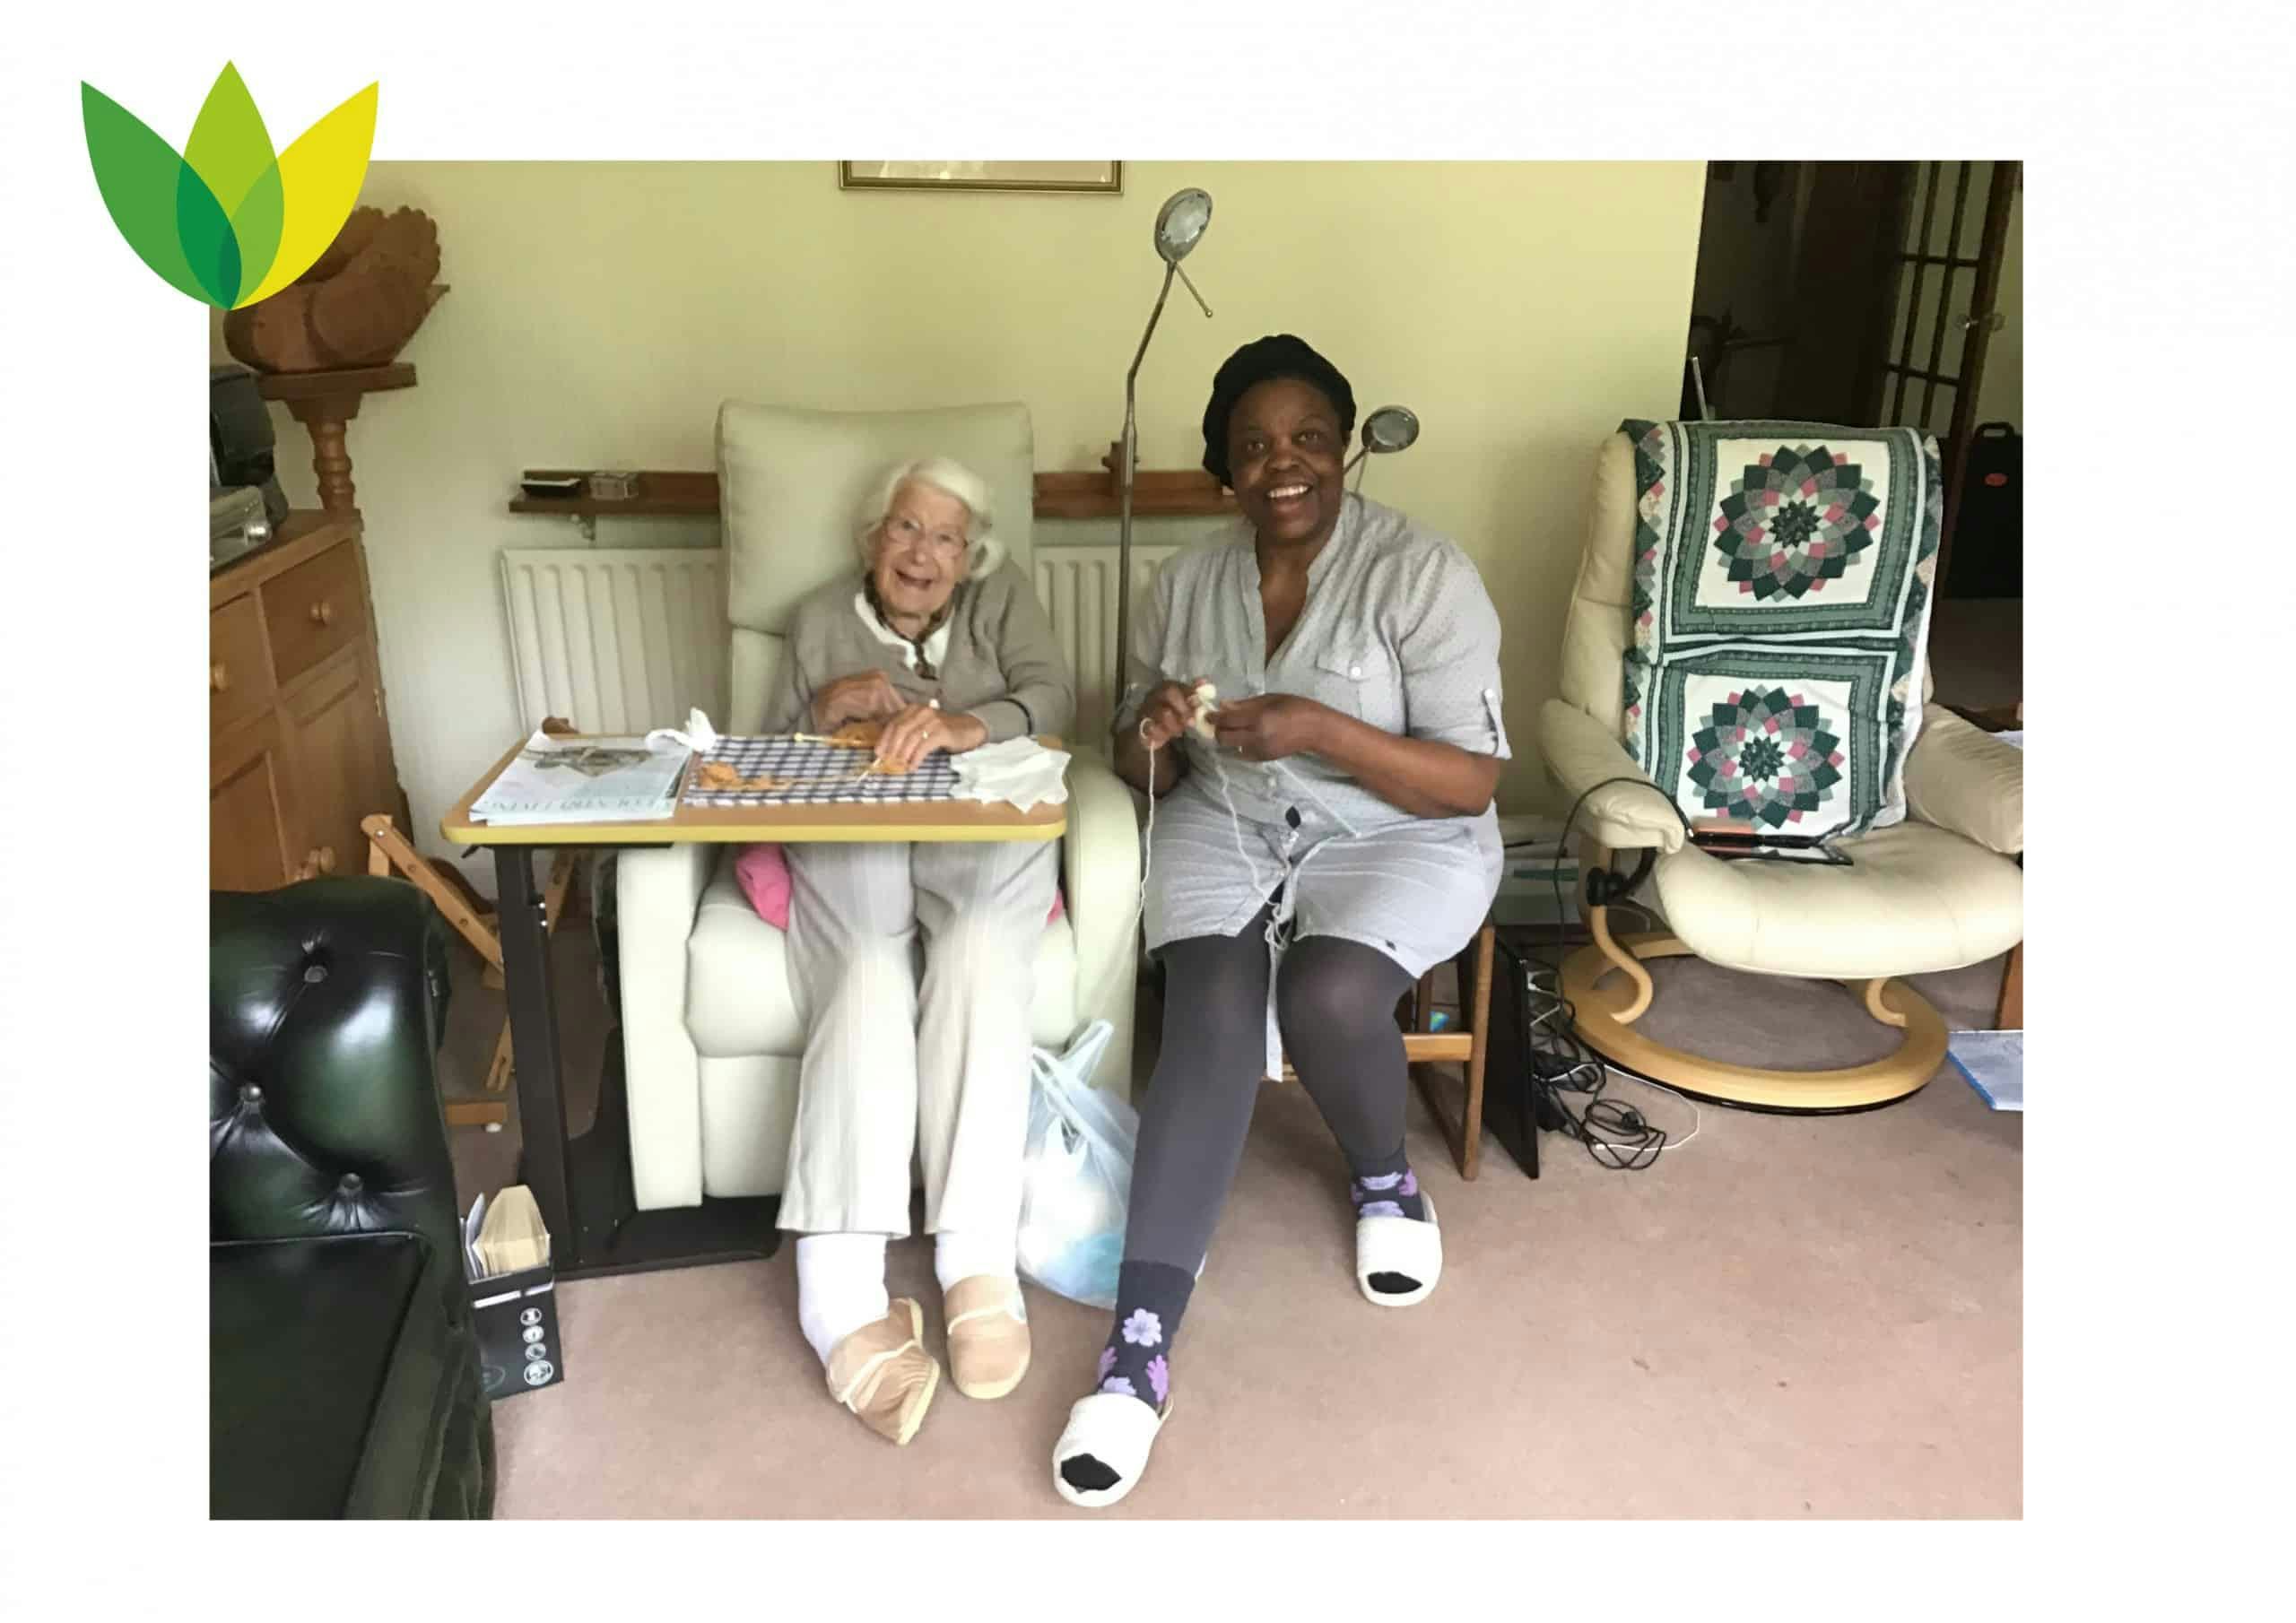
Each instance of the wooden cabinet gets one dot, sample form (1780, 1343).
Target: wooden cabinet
(253, 834)
(298, 743)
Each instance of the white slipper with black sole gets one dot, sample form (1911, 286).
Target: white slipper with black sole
(1398, 1246)
(1114, 1429)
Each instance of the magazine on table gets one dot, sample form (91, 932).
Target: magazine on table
(585, 780)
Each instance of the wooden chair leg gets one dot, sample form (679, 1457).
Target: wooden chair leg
(393, 846)
(2009, 1014)
(1463, 1133)
(498, 1069)
(1470, 1155)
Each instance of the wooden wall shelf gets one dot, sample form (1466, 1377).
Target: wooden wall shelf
(1156, 493)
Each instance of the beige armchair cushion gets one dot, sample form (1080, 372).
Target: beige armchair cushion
(1582, 752)
(1962, 778)
(791, 484)
(1595, 635)
(1917, 899)
(737, 980)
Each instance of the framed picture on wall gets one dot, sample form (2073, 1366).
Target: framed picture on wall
(949, 175)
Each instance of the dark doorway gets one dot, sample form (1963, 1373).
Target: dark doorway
(1869, 294)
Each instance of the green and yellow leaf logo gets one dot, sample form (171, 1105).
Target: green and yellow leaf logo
(227, 221)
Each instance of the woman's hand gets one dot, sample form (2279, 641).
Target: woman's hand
(1167, 711)
(1271, 726)
(918, 731)
(868, 696)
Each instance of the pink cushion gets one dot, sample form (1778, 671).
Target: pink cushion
(764, 875)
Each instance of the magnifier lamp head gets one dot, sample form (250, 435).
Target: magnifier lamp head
(1180, 223)
(1391, 428)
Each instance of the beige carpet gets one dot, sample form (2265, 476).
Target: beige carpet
(1788, 1317)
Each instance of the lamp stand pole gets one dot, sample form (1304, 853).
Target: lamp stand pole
(1127, 456)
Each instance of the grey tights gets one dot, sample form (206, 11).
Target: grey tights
(1334, 1004)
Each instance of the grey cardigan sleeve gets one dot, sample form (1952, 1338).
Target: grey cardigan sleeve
(788, 706)
(789, 690)
(1040, 696)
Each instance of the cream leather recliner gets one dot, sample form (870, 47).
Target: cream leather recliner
(711, 1038)
(1936, 891)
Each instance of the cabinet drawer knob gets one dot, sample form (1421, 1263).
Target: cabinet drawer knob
(322, 613)
(219, 679)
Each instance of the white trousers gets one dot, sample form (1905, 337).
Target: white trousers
(894, 1064)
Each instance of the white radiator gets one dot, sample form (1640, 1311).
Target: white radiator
(1077, 586)
(619, 641)
(616, 641)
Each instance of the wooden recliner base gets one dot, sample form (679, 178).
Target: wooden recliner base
(1607, 1007)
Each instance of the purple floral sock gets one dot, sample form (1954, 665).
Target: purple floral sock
(1386, 1188)
(1150, 1298)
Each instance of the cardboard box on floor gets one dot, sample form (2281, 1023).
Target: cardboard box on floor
(513, 1294)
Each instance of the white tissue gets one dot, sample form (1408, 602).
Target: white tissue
(1019, 770)
(698, 736)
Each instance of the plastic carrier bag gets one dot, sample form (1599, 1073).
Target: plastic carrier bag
(1077, 1175)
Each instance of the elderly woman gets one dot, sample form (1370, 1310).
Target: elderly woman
(939, 641)
(1330, 841)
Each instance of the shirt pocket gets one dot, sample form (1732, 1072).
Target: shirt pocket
(1359, 678)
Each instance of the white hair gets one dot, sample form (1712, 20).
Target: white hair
(983, 552)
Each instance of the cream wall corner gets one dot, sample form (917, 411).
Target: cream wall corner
(600, 312)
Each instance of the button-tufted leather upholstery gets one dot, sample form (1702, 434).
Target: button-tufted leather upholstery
(344, 1377)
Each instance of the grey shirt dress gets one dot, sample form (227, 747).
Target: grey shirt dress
(1397, 631)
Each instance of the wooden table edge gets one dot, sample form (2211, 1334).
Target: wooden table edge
(949, 822)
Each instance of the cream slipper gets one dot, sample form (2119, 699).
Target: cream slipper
(882, 1373)
(1117, 1431)
(989, 1334)
(1400, 1246)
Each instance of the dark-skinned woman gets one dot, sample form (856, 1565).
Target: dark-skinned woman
(1331, 839)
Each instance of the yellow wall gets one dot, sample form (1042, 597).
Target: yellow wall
(600, 312)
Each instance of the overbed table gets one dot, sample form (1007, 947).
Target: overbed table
(583, 1184)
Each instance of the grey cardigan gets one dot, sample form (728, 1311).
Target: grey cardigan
(993, 656)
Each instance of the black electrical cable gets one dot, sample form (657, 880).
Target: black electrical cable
(1561, 1064)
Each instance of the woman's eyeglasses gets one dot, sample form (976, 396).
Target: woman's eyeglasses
(948, 544)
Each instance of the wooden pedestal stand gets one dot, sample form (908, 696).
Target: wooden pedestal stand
(325, 403)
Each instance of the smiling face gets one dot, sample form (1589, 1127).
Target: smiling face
(1285, 450)
(919, 555)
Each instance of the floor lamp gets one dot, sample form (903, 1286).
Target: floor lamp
(1391, 428)
(1179, 227)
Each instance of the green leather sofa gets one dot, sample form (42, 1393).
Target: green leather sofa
(343, 1375)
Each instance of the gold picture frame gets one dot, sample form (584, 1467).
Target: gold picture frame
(949, 175)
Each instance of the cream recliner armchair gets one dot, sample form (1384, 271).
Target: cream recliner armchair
(1936, 891)
(711, 1038)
